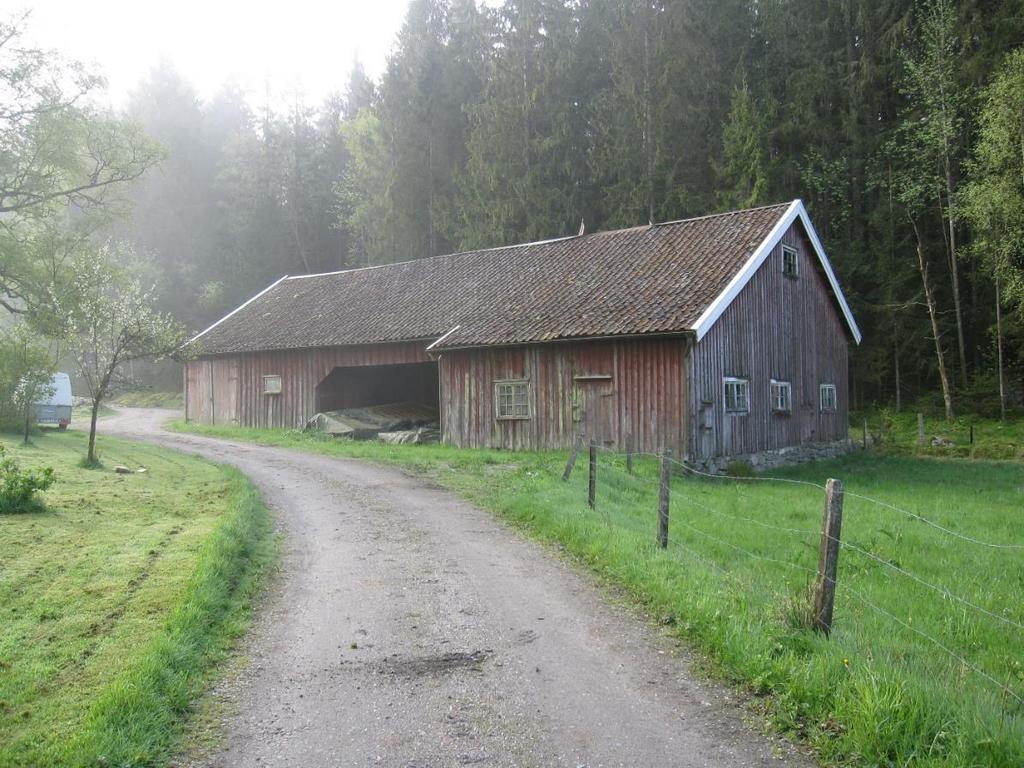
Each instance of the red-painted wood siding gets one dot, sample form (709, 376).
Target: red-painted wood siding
(777, 327)
(229, 389)
(644, 396)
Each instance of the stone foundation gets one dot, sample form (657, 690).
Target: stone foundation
(780, 457)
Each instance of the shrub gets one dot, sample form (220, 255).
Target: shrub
(18, 486)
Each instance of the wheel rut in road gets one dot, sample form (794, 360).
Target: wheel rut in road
(410, 629)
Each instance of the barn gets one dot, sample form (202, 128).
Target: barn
(717, 337)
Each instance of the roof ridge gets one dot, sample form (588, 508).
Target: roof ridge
(604, 232)
(726, 213)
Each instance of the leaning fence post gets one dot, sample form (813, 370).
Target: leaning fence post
(572, 458)
(828, 557)
(592, 487)
(920, 429)
(629, 454)
(663, 498)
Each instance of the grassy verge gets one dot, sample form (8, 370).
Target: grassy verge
(734, 580)
(146, 399)
(118, 600)
(968, 437)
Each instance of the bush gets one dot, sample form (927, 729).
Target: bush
(18, 486)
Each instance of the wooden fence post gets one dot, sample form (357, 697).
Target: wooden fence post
(592, 488)
(629, 454)
(828, 557)
(572, 458)
(920, 429)
(663, 498)
(865, 433)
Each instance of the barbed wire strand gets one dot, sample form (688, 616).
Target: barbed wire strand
(933, 524)
(933, 640)
(941, 590)
(845, 544)
(846, 492)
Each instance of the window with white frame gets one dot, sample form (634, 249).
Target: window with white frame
(272, 385)
(512, 399)
(790, 261)
(828, 397)
(737, 395)
(781, 394)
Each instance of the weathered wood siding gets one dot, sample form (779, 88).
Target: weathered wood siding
(780, 327)
(605, 389)
(228, 389)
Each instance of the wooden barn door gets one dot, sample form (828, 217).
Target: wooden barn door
(596, 406)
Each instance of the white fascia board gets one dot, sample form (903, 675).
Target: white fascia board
(441, 338)
(740, 279)
(237, 309)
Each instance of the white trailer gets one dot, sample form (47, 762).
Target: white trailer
(56, 409)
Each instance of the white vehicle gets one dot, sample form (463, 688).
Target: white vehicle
(56, 409)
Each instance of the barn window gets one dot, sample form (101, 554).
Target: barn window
(737, 395)
(272, 385)
(781, 396)
(828, 397)
(512, 399)
(790, 262)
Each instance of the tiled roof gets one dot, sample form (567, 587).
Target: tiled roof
(650, 279)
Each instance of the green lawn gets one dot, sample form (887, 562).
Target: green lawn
(117, 600)
(733, 583)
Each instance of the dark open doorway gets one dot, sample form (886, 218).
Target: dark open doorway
(368, 385)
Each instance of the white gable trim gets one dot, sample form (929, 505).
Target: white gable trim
(721, 303)
(236, 310)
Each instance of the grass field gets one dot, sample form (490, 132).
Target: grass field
(733, 582)
(117, 601)
(968, 437)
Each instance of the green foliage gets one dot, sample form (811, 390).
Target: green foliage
(18, 487)
(742, 174)
(26, 366)
(994, 199)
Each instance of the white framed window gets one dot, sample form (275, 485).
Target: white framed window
(737, 395)
(790, 262)
(272, 385)
(781, 396)
(512, 399)
(828, 397)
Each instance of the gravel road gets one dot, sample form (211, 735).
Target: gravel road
(410, 629)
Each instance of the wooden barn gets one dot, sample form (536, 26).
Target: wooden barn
(719, 336)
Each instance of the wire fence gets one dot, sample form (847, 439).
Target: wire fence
(755, 529)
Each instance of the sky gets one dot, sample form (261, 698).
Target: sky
(301, 47)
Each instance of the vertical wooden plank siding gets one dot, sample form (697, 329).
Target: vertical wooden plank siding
(780, 327)
(643, 394)
(228, 389)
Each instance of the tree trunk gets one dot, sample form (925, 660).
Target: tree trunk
(28, 421)
(91, 457)
(955, 273)
(933, 317)
(896, 370)
(999, 354)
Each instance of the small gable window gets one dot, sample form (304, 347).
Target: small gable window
(272, 385)
(512, 399)
(781, 396)
(737, 395)
(828, 397)
(790, 262)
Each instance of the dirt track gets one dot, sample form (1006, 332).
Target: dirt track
(411, 629)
